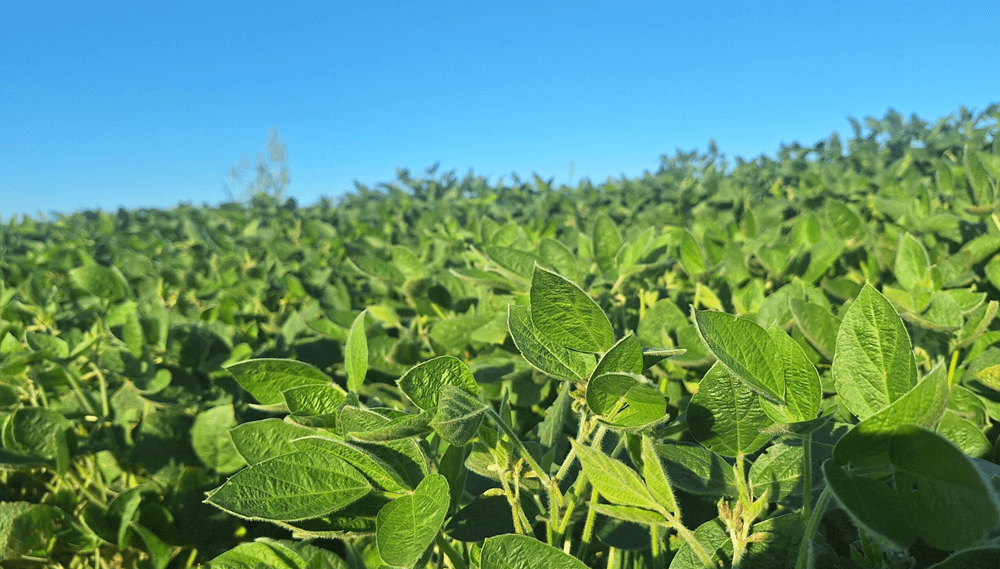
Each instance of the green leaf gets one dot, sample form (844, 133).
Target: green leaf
(41, 432)
(296, 486)
(407, 525)
(743, 348)
(524, 552)
(821, 258)
(965, 435)
(356, 354)
(714, 539)
(616, 482)
(454, 334)
(566, 315)
(626, 400)
(943, 314)
(725, 414)
(653, 356)
(260, 440)
(211, 442)
(558, 257)
(516, 261)
(779, 471)
(629, 514)
(30, 530)
(402, 427)
(691, 257)
(873, 365)
(255, 555)
(989, 376)
(697, 470)
(314, 405)
(912, 267)
(103, 282)
(423, 383)
(458, 415)
(928, 489)
(606, 242)
(803, 393)
(265, 379)
(846, 222)
(817, 324)
(390, 465)
(660, 319)
(51, 346)
(632, 252)
(867, 444)
(545, 355)
(656, 477)
(984, 557)
(625, 356)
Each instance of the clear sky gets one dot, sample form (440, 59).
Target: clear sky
(150, 103)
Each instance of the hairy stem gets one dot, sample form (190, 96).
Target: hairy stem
(588, 528)
(805, 559)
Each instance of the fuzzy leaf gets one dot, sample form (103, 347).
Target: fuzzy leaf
(566, 315)
(873, 365)
(296, 486)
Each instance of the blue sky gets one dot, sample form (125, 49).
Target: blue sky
(149, 104)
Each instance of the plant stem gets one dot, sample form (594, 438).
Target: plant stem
(77, 391)
(807, 475)
(457, 559)
(552, 534)
(805, 559)
(534, 466)
(588, 528)
(695, 545)
(515, 508)
(105, 403)
(654, 535)
(951, 367)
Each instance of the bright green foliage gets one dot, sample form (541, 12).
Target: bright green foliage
(743, 348)
(423, 384)
(768, 361)
(616, 482)
(566, 315)
(522, 552)
(691, 257)
(547, 356)
(606, 242)
(927, 489)
(277, 554)
(103, 282)
(265, 379)
(458, 415)
(625, 400)
(924, 405)
(656, 477)
(211, 441)
(874, 364)
(407, 525)
(817, 324)
(267, 438)
(912, 267)
(626, 356)
(726, 415)
(295, 486)
(796, 354)
(356, 354)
